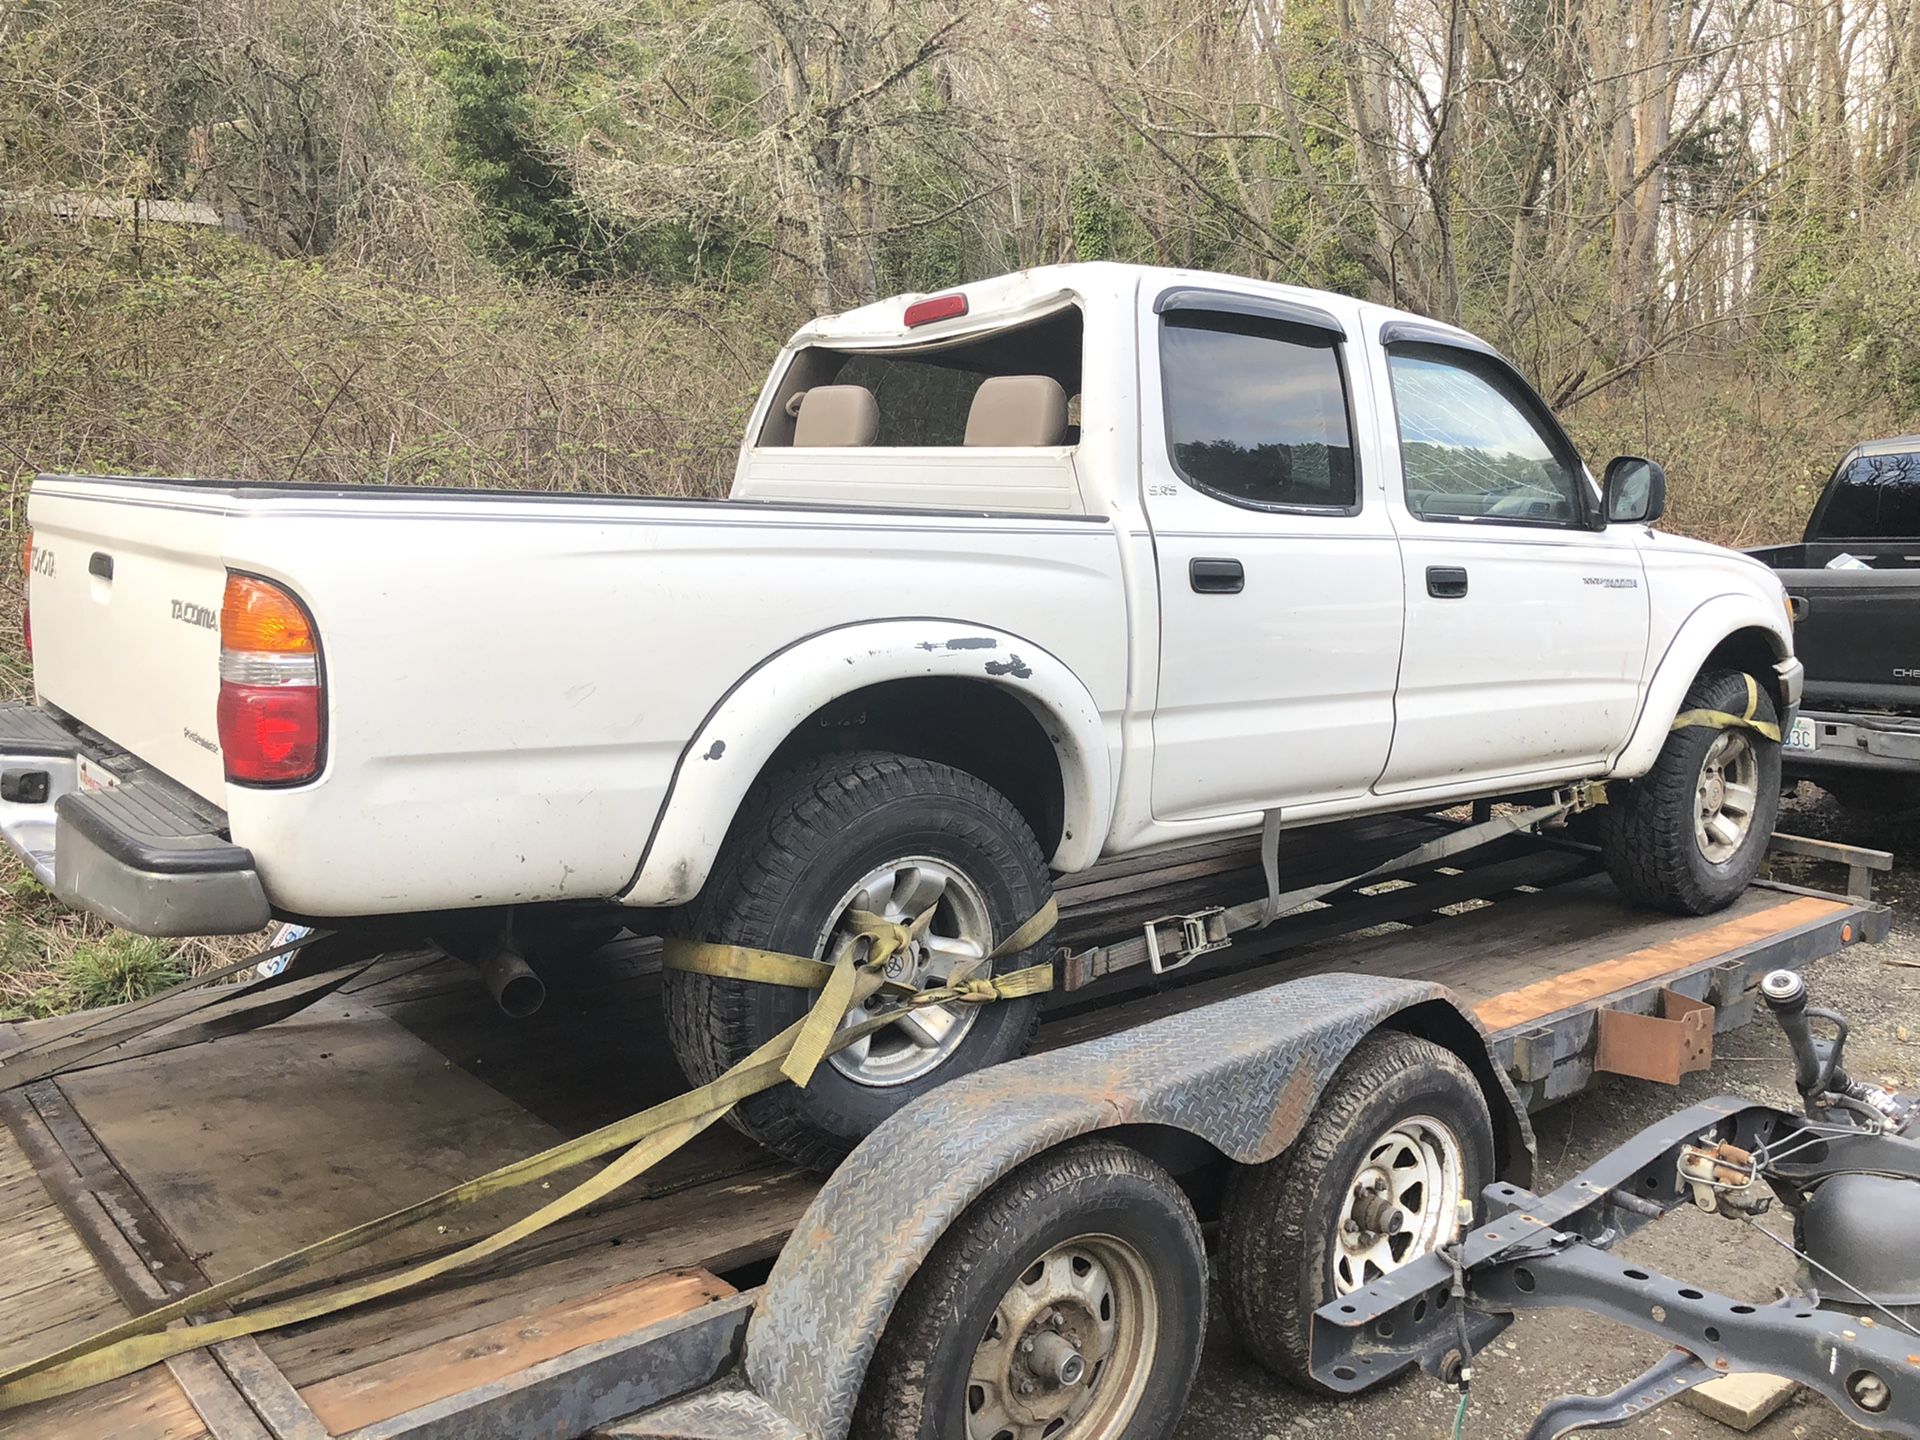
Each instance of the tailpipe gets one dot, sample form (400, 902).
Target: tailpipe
(511, 981)
(503, 969)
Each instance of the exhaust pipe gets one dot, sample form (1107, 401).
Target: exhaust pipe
(502, 969)
(511, 981)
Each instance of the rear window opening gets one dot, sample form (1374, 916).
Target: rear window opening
(930, 396)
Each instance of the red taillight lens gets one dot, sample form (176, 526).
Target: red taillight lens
(940, 307)
(26, 590)
(272, 712)
(270, 735)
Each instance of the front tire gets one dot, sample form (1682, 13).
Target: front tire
(1401, 1136)
(886, 833)
(1689, 835)
(1069, 1303)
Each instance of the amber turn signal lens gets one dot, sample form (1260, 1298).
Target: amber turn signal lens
(258, 616)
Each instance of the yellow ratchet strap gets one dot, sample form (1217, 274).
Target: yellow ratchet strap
(646, 1139)
(1721, 720)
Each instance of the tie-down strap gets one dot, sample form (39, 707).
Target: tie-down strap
(1722, 720)
(644, 1140)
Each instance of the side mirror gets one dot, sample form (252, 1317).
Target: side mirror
(1634, 490)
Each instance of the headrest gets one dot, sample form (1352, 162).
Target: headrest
(837, 415)
(1018, 410)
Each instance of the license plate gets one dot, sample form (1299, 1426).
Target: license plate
(1802, 736)
(285, 935)
(92, 776)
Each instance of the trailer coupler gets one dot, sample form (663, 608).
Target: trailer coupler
(1541, 1252)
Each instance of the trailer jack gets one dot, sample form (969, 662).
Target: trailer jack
(1843, 1169)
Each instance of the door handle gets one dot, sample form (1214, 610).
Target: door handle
(1216, 575)
(1446, 582)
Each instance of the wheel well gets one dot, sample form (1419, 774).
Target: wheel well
(1753, 650)
(968, 724)
(1445, 1026)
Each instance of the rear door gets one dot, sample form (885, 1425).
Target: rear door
(126, 586)
(1526, 629)
(1279, 576)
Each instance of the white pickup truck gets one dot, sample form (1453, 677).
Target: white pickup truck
(1081, 561)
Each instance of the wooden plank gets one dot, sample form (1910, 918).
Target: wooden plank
(435, 1372)
(299, 1130)
(147, 1406)
(1530, 1003)
(52, 1292)
(1740, 1401)
(715, 1226)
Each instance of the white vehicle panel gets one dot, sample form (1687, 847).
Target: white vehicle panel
(134, 652)
(512, 681)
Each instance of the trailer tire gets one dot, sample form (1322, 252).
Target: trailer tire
(1655, 837)
(806, 839)
(1091, 1223)
(1283, 1251)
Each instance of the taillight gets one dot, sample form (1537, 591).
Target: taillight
(272, 713)
(26, 592)
(940, 307)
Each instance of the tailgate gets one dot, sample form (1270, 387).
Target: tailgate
(125, 590)
(1858, 635)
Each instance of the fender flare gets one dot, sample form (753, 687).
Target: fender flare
(1711, 622)
(740, 734)
(1244, 1076)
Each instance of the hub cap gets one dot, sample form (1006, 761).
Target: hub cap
(1401, 1204)
(1729, 790)
(960, 931)
(1067, 1353)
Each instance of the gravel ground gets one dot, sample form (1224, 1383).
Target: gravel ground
(1563, 1352)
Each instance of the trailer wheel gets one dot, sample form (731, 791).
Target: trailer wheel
(1401, 1136)
(1689, 835)
(1069, 1303)
(885, 833)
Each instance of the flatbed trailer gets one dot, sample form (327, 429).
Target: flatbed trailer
(136, 1182)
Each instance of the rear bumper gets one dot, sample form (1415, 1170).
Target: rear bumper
(1850, 740)
(145, 854)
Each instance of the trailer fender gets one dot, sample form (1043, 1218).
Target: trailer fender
(750, 722)
(1244, 1075)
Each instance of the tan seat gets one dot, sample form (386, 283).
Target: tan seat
(837, 415)
(1018, 410)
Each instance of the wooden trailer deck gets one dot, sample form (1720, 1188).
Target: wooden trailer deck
(149, 1178)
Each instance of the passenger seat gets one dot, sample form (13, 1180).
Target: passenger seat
(1018, 410)
(836, 415)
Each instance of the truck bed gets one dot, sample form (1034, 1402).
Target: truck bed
(188, 1167)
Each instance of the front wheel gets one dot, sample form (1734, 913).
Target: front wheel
(1070, 1303)
(1689, 835)
(887, 834)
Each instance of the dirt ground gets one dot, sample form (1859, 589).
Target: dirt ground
(1563, 1352)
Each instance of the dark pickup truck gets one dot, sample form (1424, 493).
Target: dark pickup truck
(1857, 629)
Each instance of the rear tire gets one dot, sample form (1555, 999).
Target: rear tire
(809, 843)
(1093, 1233)
(1399, 1110)
(1689, 835)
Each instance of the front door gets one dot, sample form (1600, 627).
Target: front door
(1279, 575)
(1526, 628)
